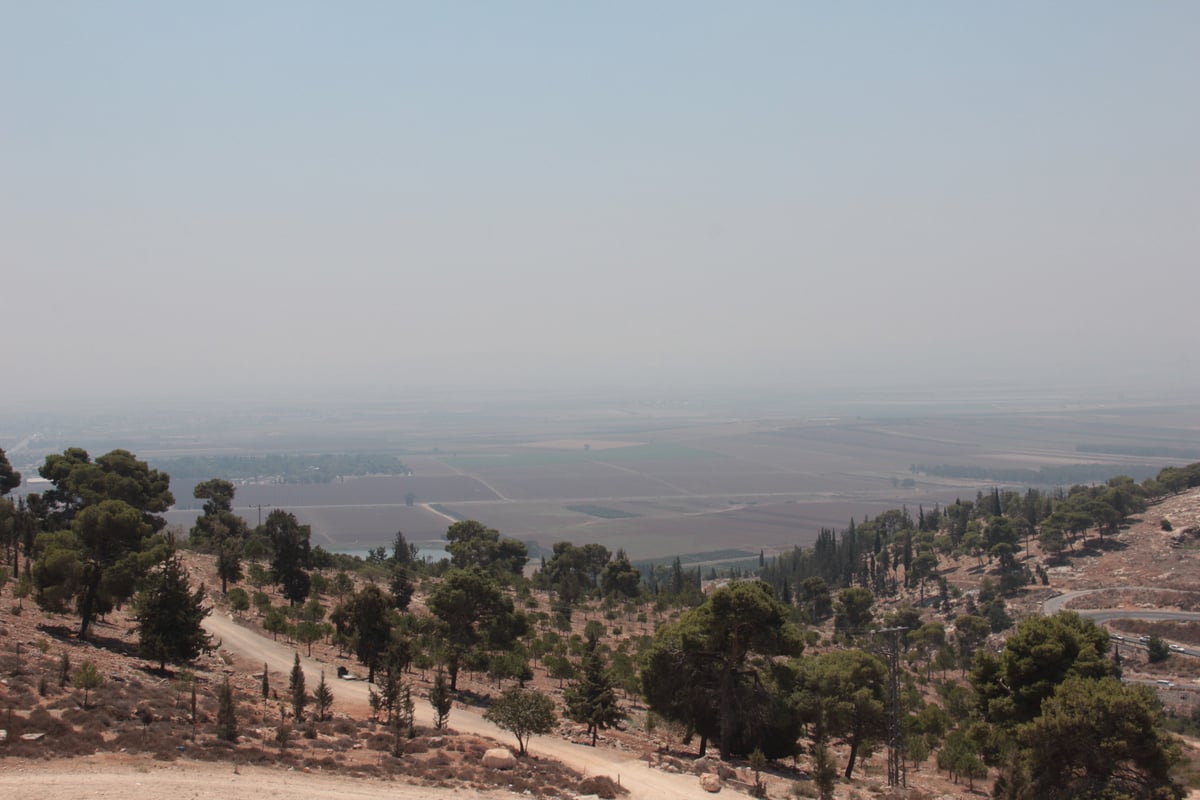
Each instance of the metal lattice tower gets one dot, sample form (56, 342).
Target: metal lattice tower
(890, 648)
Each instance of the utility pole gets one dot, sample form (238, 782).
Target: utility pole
(897, 774)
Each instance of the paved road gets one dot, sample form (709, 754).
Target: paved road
(643, 782)
(1059, 603)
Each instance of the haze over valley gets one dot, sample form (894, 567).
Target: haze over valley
(658, 477)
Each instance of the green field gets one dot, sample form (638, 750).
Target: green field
(601, 511)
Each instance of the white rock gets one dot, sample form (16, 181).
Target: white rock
(499, 758)
(710, 783)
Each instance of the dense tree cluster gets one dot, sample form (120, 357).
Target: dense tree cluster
(574, 572)
(713, 669)
(472, 544)
(896, 550)
(477, 615)
(1059, 724)
(282, 467)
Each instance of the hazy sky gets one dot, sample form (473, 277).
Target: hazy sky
(264, 197)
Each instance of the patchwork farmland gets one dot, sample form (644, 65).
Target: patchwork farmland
(691, 484)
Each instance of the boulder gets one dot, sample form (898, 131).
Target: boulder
(499, 758)
(709, 782)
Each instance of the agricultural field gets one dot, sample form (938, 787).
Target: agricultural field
(368, 491)
(348, 527)
(659, 479)
(661, 527)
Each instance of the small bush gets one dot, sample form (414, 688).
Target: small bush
(1157, 650)
(379, 741)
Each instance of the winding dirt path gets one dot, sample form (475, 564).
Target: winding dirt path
(643, 782)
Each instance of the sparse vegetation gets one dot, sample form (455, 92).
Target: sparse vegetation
(582, 614)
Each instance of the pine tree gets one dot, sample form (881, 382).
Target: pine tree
(296, 688)
(592, 700)
(227, 728)
(169, 616)
(229, 560)
(266, 683)
(322, 698)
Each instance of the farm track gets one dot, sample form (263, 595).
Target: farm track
(460, 471)
(429, 507)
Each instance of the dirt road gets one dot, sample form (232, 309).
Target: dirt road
(643, 782)
(111, 778)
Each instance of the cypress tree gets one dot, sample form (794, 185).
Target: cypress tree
(322, 698)
(441, 699)
(296, 687)
(169, 616)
